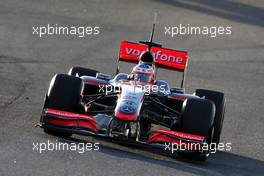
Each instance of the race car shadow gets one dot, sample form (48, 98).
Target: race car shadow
(220, 163)
(235, 11)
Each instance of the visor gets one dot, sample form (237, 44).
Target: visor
(142, 77)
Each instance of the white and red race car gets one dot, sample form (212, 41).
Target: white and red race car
(137, 106)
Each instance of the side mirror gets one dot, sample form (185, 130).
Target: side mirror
(177, 90)
(103, 76)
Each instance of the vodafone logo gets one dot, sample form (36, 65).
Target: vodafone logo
(164, 57)
(158, 55)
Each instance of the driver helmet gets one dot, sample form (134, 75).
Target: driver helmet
(143, 72)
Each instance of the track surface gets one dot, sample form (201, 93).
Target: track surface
(233, 64)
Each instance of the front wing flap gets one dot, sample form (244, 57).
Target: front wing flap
(69, 120)
(194, 142)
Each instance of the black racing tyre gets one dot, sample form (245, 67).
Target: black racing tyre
(65, 93)
(219, 100)
(197, 118)
(82, 71)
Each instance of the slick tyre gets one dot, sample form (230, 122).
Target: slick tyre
(197, 118)
(219, 100)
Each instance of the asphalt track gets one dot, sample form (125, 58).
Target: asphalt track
(233, 64)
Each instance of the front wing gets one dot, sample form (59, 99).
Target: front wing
(87, 125)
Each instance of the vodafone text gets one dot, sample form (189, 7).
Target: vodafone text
(157, 55)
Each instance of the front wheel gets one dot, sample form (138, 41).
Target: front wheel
(197, 118)
(219, 100)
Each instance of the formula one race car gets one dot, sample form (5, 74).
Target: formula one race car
(137, 106)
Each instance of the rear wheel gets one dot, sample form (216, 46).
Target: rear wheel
(65, 93)
(197, 118)
(219, 100)
(81, 71)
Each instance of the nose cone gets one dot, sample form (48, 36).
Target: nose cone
(126, 110)
(129, 103)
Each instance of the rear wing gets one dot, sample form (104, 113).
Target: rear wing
(163, 57)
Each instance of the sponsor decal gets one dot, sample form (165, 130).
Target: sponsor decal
(159, 55)
(163, 57)
(180, 134)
